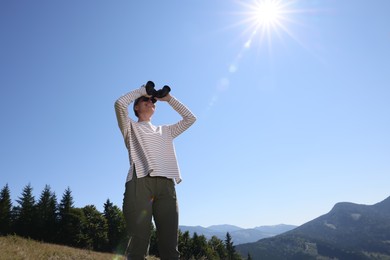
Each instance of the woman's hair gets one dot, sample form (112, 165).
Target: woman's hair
(135, 103)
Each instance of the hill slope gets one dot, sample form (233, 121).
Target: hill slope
(348, 231)
(14, 247)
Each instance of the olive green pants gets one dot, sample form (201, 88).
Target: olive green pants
(145, 198)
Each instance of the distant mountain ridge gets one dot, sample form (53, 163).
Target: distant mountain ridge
(239, 235)
(348, 231)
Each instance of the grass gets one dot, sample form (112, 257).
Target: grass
(14, 247)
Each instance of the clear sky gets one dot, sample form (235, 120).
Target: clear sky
(292, 103)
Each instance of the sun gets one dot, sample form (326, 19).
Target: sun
(266, 13)
(266, 19)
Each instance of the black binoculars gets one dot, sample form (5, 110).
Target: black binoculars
(156, 93)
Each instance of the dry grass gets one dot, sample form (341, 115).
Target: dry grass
(14, 247)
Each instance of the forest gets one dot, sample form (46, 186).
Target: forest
(62, 223)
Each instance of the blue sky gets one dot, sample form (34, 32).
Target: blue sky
(287, 126)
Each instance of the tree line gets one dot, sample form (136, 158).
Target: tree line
(62, 223)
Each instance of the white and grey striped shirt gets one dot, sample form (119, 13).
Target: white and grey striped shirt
(151, 149)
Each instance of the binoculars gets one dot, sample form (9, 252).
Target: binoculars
(156, 93)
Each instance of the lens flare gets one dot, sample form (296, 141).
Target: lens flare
(141, 216)
(262, 21)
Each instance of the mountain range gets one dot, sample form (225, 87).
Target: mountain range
(239, 235)
(348, 231)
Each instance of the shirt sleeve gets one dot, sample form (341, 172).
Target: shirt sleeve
(121, 109)
(187, 117)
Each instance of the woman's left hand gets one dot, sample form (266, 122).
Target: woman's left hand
(166, 98)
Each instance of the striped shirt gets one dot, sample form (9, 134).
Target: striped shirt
(151, 149)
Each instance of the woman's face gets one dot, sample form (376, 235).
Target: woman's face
(146, 104)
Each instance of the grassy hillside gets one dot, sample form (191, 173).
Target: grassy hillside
(14, 247)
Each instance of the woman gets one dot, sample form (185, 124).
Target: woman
(150, 185)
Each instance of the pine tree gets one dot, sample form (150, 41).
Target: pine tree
(211, 253)
(231, 250)
(218, 246)
(75, 236)
(199, 246)
(66, 202)
(95, 228)
(5, 211)
(117, 237)
(69, 220)
(47, 216)
(185, 244)
(25, 213)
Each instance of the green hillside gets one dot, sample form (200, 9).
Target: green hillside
(348, 231)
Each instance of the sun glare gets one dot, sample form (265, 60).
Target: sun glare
(267, 12)
(266, 18)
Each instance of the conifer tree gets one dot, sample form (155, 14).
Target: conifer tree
(70, 220)
(74, 235)
(185, 245)
(95, 228)
(66, 203)
(25, 214)
(218, 246)
(116, 228)
(47, 216)
(231, 250)
(211, 253)
(5, 211)
(199, 246)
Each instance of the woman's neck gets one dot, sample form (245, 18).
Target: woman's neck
(144, 118)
